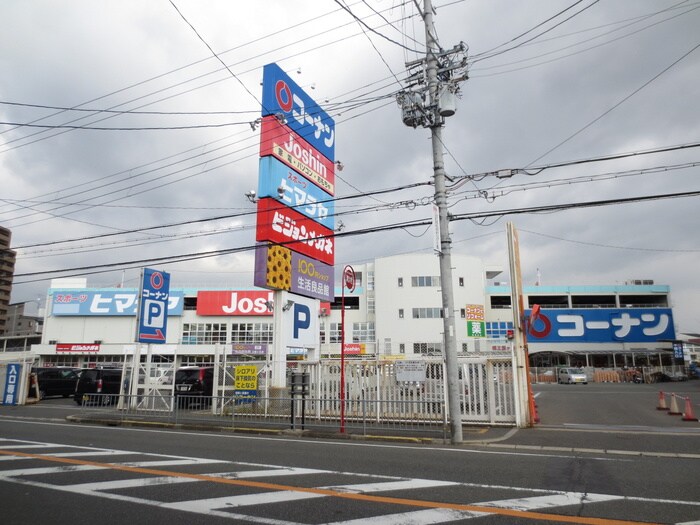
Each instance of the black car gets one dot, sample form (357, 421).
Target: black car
(55, 381)
(194, 385)
(98, 386)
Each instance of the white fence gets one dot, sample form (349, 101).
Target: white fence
(373, 389)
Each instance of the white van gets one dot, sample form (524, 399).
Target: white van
(572, 375)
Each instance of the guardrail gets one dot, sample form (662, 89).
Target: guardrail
(363, 417)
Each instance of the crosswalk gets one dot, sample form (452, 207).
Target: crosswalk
(252, 492)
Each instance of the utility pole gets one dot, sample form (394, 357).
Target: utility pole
(427, 104)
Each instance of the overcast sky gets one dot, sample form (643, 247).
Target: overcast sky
(550, 82)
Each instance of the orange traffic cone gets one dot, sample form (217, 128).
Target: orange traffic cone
(662, 402)
(688, 413)
(673, 410)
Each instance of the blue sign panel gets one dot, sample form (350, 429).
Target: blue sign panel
(86, 303)
(12, 382)
(153, 307)
(601, 325)
(280, 182)
(281, 95)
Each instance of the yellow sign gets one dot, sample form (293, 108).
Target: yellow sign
(246, 378)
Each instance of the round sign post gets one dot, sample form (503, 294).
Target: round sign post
(349, 283)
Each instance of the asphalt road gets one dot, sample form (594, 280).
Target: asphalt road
(602, 454)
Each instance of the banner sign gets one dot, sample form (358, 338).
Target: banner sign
(281, 95)
(475, 312)
(281, 143)
(248, 349)
(282, 225)
(87, 303)
(246, 302)
(12, 382)
(355, 348)
(77, 347)
(279, 268)
(601, 325)
(152, 317)
(284, 184)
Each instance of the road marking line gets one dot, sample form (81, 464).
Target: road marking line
(334, 493)
(406, 484)
(553, 500)
(416, 517)
(151, 503)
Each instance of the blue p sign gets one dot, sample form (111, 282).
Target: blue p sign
(302, 318)
(154, 314)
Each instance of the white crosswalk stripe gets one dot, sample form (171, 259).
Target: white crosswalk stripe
(244, 507)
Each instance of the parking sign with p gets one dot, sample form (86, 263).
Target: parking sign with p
(153, 307)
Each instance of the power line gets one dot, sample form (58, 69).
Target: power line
(347, 9)
(102, 268)
(214, 53)
(487, 56)
(623, 100)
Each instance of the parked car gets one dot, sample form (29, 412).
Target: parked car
(98, 385)
(571, 376)
(55, 381)
(194, 385)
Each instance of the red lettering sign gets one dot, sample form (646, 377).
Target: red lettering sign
(76, 347)
(246, 302)
(282, 225)
(288, 147)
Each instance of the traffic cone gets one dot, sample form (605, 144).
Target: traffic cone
(688, 413)
(673, 410)
(662, 402)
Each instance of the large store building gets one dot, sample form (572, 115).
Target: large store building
(394, 312)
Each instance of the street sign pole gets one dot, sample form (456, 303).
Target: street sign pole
(349, 282)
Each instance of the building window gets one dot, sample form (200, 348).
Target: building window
(363, 332)
(336, 332)
(400, 313)
(498, 330)
(425, 280)
(203, 333)
(400, 282)
(427, 313)
(370, 304)
(251, 333)
(461, 281)
(387, 345)
(370, 280)
(463, 313)
(322, 334)
(402, 348)
(427, 348)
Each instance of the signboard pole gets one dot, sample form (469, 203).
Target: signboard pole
(349, 281)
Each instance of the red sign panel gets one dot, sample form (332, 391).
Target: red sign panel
(282, 143)
(353, 348)
(282, 225)
(247, 302)
(65, 347)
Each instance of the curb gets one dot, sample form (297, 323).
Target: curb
(247, 430)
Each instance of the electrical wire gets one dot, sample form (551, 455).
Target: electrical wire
(101, 268)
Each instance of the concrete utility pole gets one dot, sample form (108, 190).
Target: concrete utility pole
(445, 255)
(428, 100)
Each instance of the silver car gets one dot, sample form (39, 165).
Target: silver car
(572, 375)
